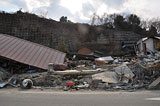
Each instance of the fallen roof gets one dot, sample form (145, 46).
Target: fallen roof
(28, 52)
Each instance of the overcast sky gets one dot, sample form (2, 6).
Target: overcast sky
(82, 10)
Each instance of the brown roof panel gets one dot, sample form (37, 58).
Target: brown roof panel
(41, 54)
(5, 45)
(13, 49)
(48, 59)
(24, 52)
(32, 54)
(45, 56)
(28, 52)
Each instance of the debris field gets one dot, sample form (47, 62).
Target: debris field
(49, 68)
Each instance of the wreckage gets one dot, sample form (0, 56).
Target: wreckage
(28, 52)
(106, 72)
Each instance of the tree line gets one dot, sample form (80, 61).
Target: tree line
(129, 22)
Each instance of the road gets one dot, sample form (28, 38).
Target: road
(78, 98)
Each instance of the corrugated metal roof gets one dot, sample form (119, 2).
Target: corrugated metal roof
(28, 52)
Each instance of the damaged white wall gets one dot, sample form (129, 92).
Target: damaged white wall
(149, 44)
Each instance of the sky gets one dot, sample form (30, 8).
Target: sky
(82, 10)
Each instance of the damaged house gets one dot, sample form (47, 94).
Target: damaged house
(28, 53)
(148, 45)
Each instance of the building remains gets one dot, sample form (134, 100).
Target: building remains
(28, 52)
(99, 58)
(148, 44)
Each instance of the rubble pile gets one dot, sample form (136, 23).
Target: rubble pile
(3, 74)
(105, 73)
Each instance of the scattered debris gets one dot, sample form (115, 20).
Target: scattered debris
(82, 86)
(154, 83)
(82, 71)
(124, 72)
(103, 60)
(26, 84)
(109, 77)
(73, 72)
(3, 85)
(4, 74)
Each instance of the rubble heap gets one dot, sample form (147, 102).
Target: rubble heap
(103, 73)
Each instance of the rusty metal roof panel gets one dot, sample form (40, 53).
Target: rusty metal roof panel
(49, 58)
(28, 52)
(45, 56)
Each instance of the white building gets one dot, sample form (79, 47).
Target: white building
(148, 44)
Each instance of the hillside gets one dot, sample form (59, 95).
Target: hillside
(49, 32)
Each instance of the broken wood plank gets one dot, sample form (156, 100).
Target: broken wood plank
(154, 83)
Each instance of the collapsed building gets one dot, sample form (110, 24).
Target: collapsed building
(18, 55)
(148, 45)
(28, 53)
